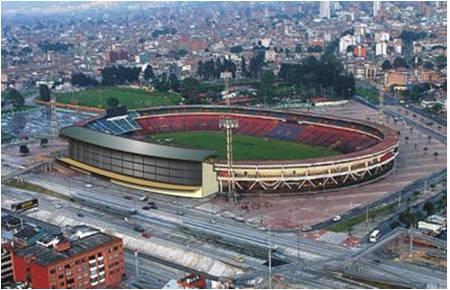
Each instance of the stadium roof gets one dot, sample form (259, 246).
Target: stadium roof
(134, 146)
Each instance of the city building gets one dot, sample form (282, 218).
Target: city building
(345, 42)
(113, 56)
(397, 78)
(270, 55)
(360, 51)
(324, 9)
(376, 7)
(6, 264)
(381, 49)
(89, 259)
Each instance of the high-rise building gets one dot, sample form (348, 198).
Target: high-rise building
(376, 7)
(324, 9)
(381, 48)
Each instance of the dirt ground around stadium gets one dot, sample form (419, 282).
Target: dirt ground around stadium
(290, 212)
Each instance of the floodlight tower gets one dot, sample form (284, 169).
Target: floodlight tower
(229, 124)
(381, 103)
(53, 121)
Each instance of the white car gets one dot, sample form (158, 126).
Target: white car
(87, 185)
(336, 218)
(58, 205)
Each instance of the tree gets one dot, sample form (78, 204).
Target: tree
(82, 80)
(435, 154)
(174, 84)
(44, 142)
(190, 88)
(256, 64)
(23, 149)
(429, 139)
(386, 65)
(399, 62)
(265, 85)
(428, 207)
(112, 102)
(148, 73)
(14, 97)
(44, 93)
(441, 61)
(314, 49)
(425, 149)
(406, 139)
(243, 67)
(428, 65)
(161, 83)
(407, 218)
(236, 49)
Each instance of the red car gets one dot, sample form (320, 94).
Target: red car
(146, 235)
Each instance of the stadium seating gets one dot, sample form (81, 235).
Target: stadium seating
(117, 125)
(342, 140)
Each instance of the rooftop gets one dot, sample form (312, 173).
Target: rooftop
(45, 256)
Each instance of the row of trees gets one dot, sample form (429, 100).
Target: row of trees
(14, 97)
(211, 69)
(119, 75)
(320, 74)
(82, 80)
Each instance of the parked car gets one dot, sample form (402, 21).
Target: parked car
(127, 197)
(374, 236)
(87, 185)
(139, 228)
(146, 235)
(146, 207)
(179, 212)
(306, 228)
(80, 215)
(336, 218)
(58, 205)
(152, 204)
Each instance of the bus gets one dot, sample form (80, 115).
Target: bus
(25, 205)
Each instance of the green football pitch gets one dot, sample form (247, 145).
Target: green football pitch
(244, 147)
(130, 97)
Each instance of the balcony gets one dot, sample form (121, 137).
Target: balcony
(93, 276)
(102, 280)
(92, 261)
(100, 258)
(101, 273)
(93, 269)
(95, 283)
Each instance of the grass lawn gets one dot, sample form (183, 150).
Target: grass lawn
(132, 98)
(36, 188)
(347, 224)
(244, 147)
(371, 95)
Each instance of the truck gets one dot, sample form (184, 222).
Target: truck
(435, 228)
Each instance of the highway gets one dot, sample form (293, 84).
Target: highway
(166, 217)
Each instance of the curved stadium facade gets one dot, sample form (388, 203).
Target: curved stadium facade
(111, 147)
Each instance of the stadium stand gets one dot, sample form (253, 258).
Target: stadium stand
(342, 140)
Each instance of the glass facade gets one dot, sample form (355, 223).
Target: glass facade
(135, 165)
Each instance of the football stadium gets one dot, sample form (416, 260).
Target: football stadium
(182, 150)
